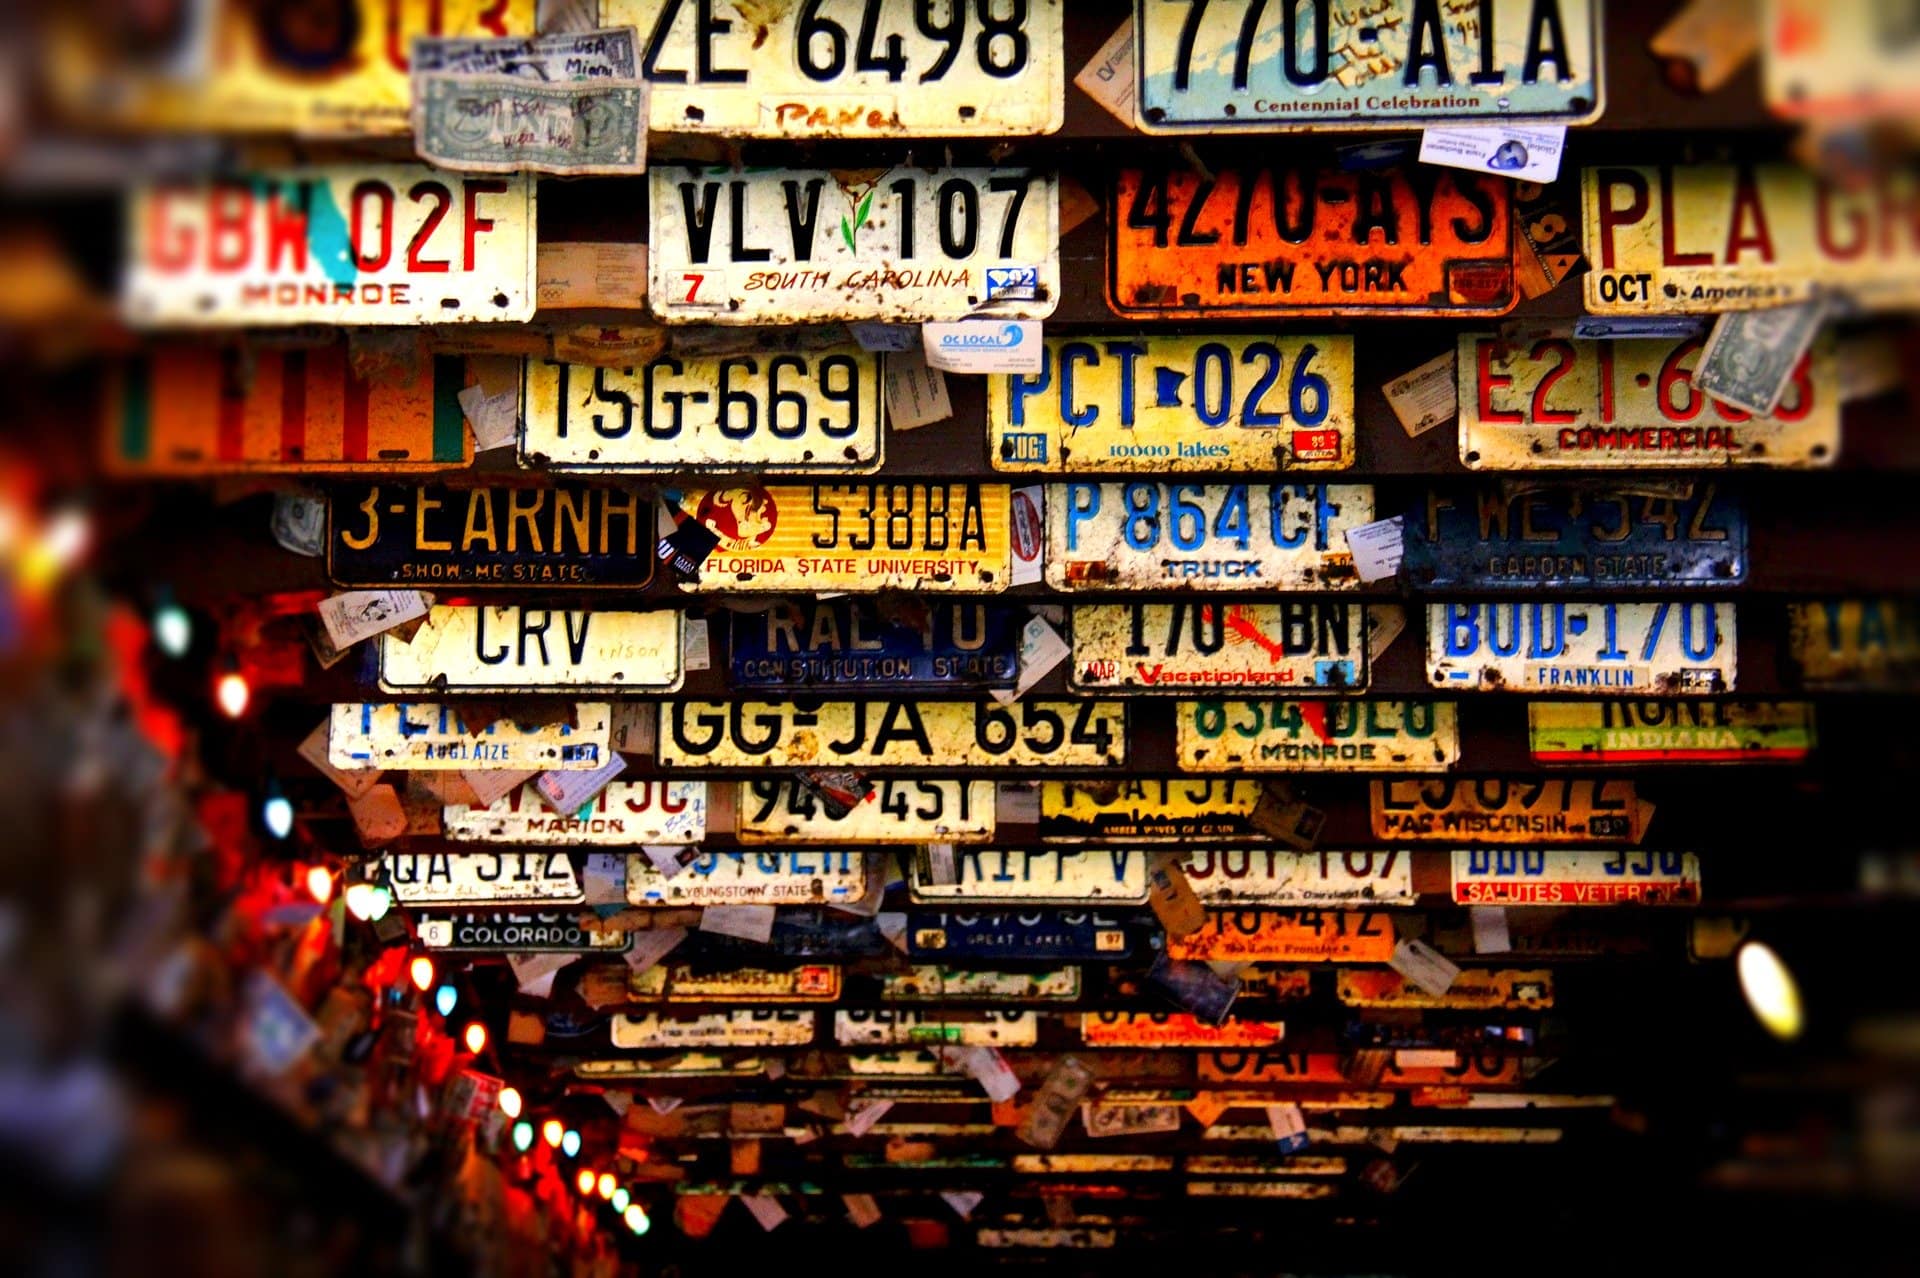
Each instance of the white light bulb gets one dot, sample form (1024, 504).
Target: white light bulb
(1771, 991)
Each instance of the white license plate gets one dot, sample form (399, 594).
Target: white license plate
(895, 811)
(798, 412)
(1260, 876)
(428, 736)
(363, 244)
(1600, 649)
(751, 878)
(759, 1027)
(850, 68)
(1305, 644)
(1317, 736)
(481, 878)
(929, 983)
(1503, 876)
(683, 983)
(891, 733)
(887, 1027)
(516, 648)
(626, 813)
(1034, 878)
(1152, 536)
(797, 246)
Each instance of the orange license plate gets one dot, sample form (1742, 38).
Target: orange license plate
(1281, 242)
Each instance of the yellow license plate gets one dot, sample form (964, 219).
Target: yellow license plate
(895, 811)
(683, 983)
(899, 1027)
(892, 733)
(853, 537)
(744, 1028)
(1267, 877)
(1473, 989)
(1577, 733)
(1631, 403)
(1176, 405)
(1317, 736)
(1174, 1029)
(194, 410)
(1704, 238)
(1091, 1164)
(1509, 810)
(1856, 643)
(516, 649)
(1289, 936)
(1179, 648)
(929, 983)
(1166, 811)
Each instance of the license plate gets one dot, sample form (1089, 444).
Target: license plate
(774, 811)
(195, 410)
(1311, 645)
(1298, 241)
(481, 878)
(1838, 62)
(1261, 876)
(418, 736)
(1091, 1164)
(1174, 405)
(1612, 539)
(1102, 1119)
(1855, 643)
(1474, 989)
(1268, 1066)
(1554, 936)
(751, 878)
(1151, 536)
(1219, 67)
(682, 983)
(887, 1027)
(892, 734)
(681, 1065)
(1165, 811)
(800, 412)
(1598, 649)
(809, 646)
(1034, 878)
(1173, 1029)
(518, 649)
(1049, 935)
(366, 244)
(1323, 736)
(1518, 877)
(1703, 238)
(927, 983)
(1077, 1238)
(759, 1027)
(1629, 732)
(1508, 810)
(1298, 1189)
(552, 537)
(624, 814)
(854, 537)
(514, 933)
(802, 246)
(850, 68)
(1631, 403)
(1289, 936)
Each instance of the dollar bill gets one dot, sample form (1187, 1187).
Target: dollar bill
(606, 54)
(1751, 355)
(502, 124)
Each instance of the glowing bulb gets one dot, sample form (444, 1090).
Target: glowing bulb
(636, 1219)
(620, 1199)
(319, 878)
(510, 1102)
(172, 629)
(553, 1131)
(585, 1181)
(445, 998)
(232, 694)
(570, 1143)
(475, 1037)
(367, 902)
(276, 813)
(66, 536)
(606, 1185)
(523, 1135)
(421, 969)
(1771, 991)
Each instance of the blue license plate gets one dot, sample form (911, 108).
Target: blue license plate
(807, 932)
(1041, 935)
(810, 646)
(1484, 538)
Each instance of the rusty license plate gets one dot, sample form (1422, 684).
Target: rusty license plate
(1176, 648)
(1320, 736)
(1509, 810)
(1593, 649)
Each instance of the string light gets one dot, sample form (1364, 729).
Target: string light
(172, 628)
(475, 1037)
(1771, 991)
(620, 1199)
(233, 694)
(553, 1131)
(368, 903)
(523, 1135)
(606, 1185)
(319, 881)
(636, 1219)
(446, 998)
(420, 970)
(585, 1181)
(570, 1143)
(276, 813)
(510, 1103)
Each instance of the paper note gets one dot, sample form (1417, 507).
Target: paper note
(579, 274)
(696, 644)
(609, 347)
(490, 785)
(1426, 397)
(963, 1201)
(1531, 152)
(1376, 548)
(1041, 649)
(862, 1210)
(1490, 934)
(766, 1210)
(353, 782)
(990, 1069)
(748, 922)
(861, 1118)
(669, 858)
(1424, 966)
(650, 945)
(568, 792)
(1108, 76)
(983, 346)
(1384, 624)
(885, 337)
(916, 394)
(1017, 803)
(360, 614)
(535, 972)
(605, 879)
(664, 1104)
(1289, 1124)
(633, 727)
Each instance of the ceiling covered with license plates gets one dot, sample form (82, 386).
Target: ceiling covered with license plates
(970, 631)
